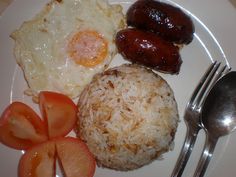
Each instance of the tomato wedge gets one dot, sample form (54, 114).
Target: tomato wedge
(59, 113)
(21, 127)
(38, 161)
(75, 157)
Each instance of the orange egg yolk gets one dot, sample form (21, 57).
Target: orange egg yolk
(88, 48)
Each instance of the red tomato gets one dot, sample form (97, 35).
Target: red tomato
(59, 112)
(75, 158)
(38, 161)
(73, 154)
(21, 127)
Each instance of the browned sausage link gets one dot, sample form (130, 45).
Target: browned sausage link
(168, 21)
(148, 49)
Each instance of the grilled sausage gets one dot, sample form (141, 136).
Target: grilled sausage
(164, 19)
(148, 49)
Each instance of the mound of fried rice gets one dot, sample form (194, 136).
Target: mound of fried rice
(128, 117)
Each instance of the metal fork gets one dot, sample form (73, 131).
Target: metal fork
(192, 113)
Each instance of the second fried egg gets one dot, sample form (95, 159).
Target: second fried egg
(68, 42)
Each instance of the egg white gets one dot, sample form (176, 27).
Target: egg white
(41, 44)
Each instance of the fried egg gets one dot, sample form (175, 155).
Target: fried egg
(66, 44)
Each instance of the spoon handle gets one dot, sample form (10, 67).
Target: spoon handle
(206, 155)
(185, 151)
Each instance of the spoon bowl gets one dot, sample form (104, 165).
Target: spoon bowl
(218, 117)
(219, 110)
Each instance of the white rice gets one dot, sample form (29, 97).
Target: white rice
(128, 117)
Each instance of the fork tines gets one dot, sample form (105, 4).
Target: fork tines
(213, 73)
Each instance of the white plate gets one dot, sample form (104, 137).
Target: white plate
(214, 40)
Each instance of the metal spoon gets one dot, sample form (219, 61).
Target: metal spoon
(218, 117)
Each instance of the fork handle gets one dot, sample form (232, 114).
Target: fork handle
(186, 150)
(206, 156)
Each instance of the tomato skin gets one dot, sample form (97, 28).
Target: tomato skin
(18, 118)
(59, 113)
(38, 161)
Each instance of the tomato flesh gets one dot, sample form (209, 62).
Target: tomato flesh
(21, 127)
(75, 157)
(59, 113)
(38, 161)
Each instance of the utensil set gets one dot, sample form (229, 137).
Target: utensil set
(193, 119)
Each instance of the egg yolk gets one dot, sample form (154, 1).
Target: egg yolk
(88, 48)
